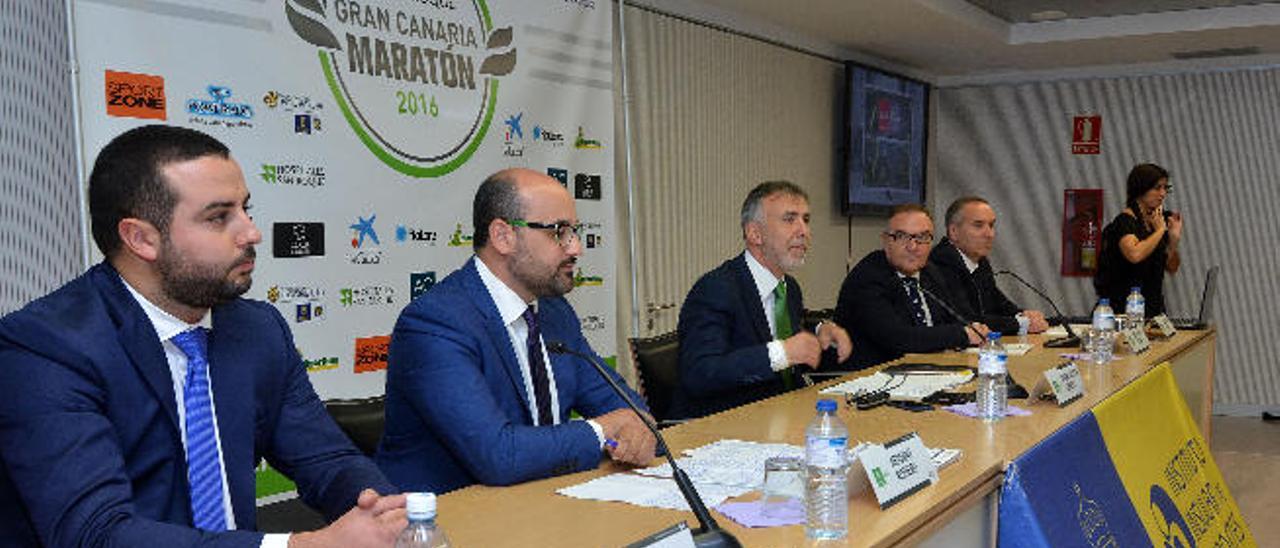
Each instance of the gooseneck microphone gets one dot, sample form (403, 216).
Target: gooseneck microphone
(1071, 340)
(709, 534)
(968, 324)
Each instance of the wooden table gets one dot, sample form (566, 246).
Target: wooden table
(532, 514)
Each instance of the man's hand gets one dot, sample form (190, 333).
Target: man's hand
(977, 333)
(830, 334)
(635, 443)
(375, 521)
(1036, 323)
(803, 347)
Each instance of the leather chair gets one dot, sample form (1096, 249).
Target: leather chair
(360, 419)
(657, 361)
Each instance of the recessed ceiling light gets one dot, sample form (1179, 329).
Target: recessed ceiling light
(1047, 15)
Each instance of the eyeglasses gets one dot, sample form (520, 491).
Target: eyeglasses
(900, 237)
(564, 233)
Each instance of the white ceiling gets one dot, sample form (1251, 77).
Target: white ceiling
(958, 41)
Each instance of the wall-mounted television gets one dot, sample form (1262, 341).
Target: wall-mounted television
(886, 129)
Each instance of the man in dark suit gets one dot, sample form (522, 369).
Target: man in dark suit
(961, 260)
(740, 327)
(889, 302)
(136, 401)
(473, 395)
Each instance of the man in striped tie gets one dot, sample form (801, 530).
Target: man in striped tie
(742, 337)
(137, 400)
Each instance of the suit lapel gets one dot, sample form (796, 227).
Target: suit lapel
(750, 299)
(497, 332)
(139, 339)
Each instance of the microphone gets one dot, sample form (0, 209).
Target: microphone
(1071, 340)
(945, 306)
(709, 534)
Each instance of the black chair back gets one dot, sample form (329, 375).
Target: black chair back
(360, 419)
(657, 360)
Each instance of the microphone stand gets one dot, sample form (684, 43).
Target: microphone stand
(1071, 340)
(709, 534)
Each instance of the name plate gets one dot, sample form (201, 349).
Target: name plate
(1136, 339)
(1063, 382)
(898, 468)
(1164, 325)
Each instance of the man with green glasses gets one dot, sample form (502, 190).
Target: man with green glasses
(473, 395)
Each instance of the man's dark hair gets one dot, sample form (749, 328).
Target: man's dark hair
(127, 182)
(953, 210)
(751, 211)
(1142, 178)
(497, 198)
(908, 208)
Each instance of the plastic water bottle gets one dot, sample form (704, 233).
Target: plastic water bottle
(1135, 307)
(993, 366)
(422, 531)
(826, 495)
(1104, 331)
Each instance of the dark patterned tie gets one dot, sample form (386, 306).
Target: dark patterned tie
(538, 369)
(204, 468)
(917, 304)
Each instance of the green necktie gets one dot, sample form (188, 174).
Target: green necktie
(782, 326)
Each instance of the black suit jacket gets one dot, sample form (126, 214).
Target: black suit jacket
(873, 307)
(724, 359)
(981, 300)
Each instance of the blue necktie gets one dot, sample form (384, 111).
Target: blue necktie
(917, 304)
(204, 468)
(538, 370)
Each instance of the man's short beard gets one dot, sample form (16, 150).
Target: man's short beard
(198, 286)
(524, 268)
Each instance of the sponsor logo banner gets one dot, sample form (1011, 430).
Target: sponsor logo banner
(420, 282)
(292, 240)
(371, 353)
(132, 95)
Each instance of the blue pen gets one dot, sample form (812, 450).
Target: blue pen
(613, 444)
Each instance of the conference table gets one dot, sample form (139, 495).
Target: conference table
(958, 510)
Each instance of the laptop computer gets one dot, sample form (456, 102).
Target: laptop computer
(1206, 304)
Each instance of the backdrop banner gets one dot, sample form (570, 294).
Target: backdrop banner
(364, 129)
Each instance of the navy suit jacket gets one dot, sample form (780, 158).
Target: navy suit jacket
(89, 434)
(724, 358)
(981, 300)
(457, 411)
(874, 308)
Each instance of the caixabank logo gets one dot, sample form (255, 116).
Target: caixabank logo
(416, 81)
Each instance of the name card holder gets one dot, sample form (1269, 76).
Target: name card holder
(898, 468)
(1164, 325)
(1063, 382)
(1136, 339)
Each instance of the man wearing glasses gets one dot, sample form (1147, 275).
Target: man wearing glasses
(473, 396)
(892, 303)
(741, 332)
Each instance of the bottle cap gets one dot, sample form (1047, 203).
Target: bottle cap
(1135, 289)
(826, 405)
(421, 505)
(993, 336)
(1105, 301)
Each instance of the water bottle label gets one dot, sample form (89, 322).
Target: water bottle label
(826, 452)
(992, 364)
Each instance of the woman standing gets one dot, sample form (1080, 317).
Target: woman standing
(1141, 243)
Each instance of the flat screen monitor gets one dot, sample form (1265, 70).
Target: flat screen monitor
(886, 141)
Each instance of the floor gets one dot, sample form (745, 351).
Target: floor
(1247, 451)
